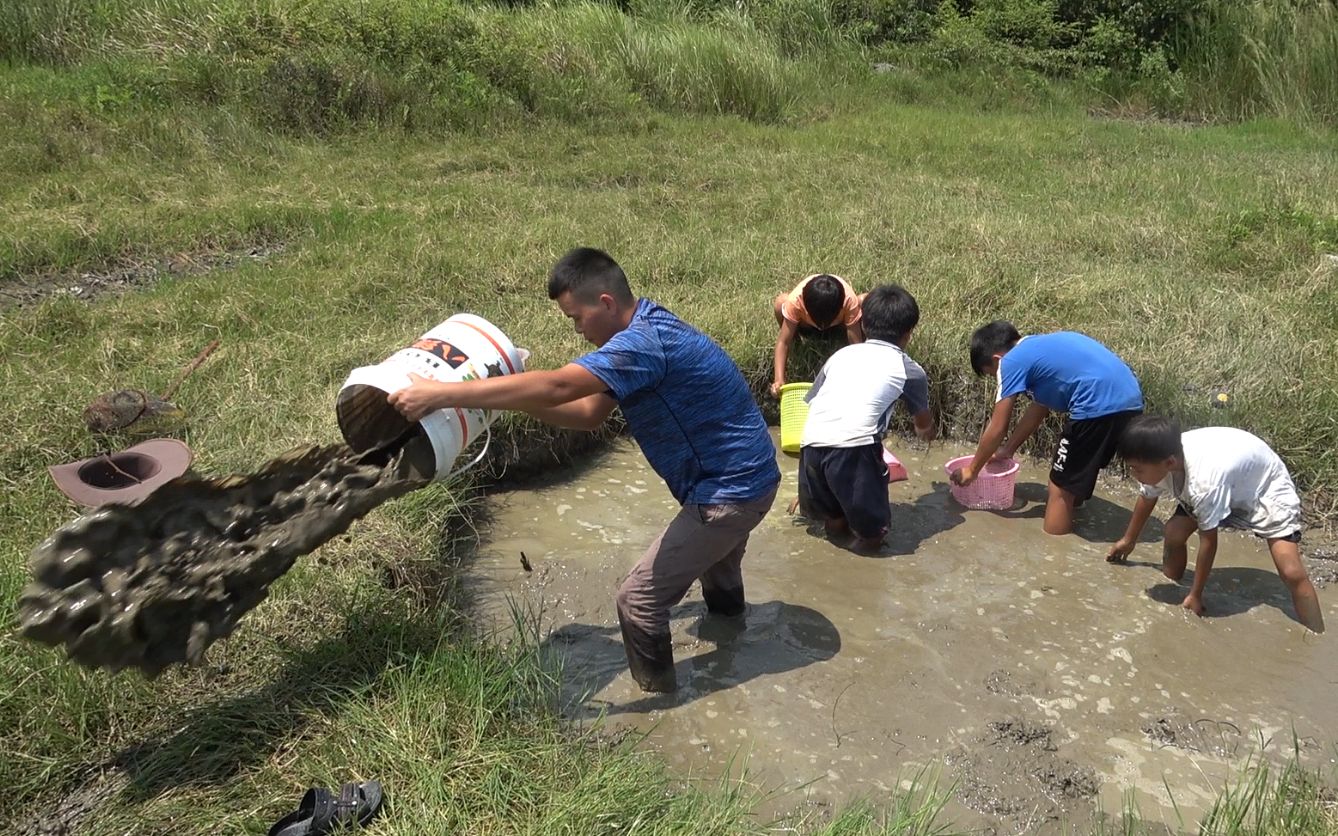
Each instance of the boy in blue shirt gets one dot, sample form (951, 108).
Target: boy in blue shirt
(1062, 372)
(687, 405)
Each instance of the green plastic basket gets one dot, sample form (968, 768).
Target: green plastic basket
(793, 415)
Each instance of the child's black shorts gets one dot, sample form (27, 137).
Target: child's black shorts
(1085, 447)
(847, 483)
(1182, 511)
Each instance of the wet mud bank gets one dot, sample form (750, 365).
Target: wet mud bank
(30, 289)
(1041, 682)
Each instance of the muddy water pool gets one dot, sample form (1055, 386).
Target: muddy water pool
(1039, 681)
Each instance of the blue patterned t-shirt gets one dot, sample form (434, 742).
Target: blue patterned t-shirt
(1069, 372)
(687, 405)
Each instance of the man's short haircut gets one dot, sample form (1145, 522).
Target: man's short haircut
(989, 340)
(587, 274)
(889, 313)
(1151, 438)
(824, 299)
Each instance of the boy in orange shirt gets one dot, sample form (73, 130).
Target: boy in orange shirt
(821, 302)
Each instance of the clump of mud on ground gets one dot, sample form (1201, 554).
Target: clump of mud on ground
(1206, 735)
(154, 584)
(1004, 683)
(1013, 771)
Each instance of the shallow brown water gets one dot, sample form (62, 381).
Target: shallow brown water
(1044, 682)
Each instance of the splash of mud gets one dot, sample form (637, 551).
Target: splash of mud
(154, 584)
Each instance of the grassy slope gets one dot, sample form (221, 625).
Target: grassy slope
(1191, 251)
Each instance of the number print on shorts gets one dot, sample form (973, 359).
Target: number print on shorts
(1061, 455)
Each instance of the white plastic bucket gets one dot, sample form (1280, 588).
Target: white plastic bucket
(464, 347)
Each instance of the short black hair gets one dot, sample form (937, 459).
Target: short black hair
(1150, 438)
(587, 274)
(824, 298)
(989, 340)
(889, 313)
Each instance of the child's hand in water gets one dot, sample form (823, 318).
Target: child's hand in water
(1120, 551)
(1194, 604)
(963, 476)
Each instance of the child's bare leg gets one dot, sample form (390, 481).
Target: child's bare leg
(776, 309)
(1059, 511)
(867, 545)
(836, 527)
(1174, 549)
(1287, 557)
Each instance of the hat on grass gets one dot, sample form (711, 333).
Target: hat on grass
(124, 478)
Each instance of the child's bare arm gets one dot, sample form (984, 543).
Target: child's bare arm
(990, 439)
(925, 430)
(1203, 564)
(788, 330)
(1124, 547)
(855, 332)
(1026, 425)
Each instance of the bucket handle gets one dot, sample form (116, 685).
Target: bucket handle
(487, 439)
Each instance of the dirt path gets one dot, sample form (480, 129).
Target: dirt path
(1041, 680)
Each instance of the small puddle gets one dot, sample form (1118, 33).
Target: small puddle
(1042, 681)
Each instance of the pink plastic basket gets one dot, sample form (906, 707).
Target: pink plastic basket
(896, 471)
(993, 488)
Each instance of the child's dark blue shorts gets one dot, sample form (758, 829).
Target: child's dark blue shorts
(847, 483)
(1085, 447)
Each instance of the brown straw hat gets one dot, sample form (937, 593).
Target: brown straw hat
(124, 478)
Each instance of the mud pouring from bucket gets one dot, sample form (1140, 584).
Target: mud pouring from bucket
(464, 347)
(154, 584)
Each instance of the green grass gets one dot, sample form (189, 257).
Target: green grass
(1196, 253)
(321, 68)
(1262, 800)
(1250, 59)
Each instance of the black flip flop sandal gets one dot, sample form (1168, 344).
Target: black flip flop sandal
(356, 806)
(316, 810)
(321, 813)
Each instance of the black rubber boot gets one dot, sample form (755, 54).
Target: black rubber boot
(726, 602)
(650, 658)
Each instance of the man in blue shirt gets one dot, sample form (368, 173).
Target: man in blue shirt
(688, 407)
(1064, 372)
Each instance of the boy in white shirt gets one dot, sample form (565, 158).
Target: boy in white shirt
(842, 474)
(1220, 477)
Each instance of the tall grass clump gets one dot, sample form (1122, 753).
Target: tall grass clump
(802, 27)
(725, 67)
(1289, 799)
(320, 68)
(62, 32)
(1243, 60)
